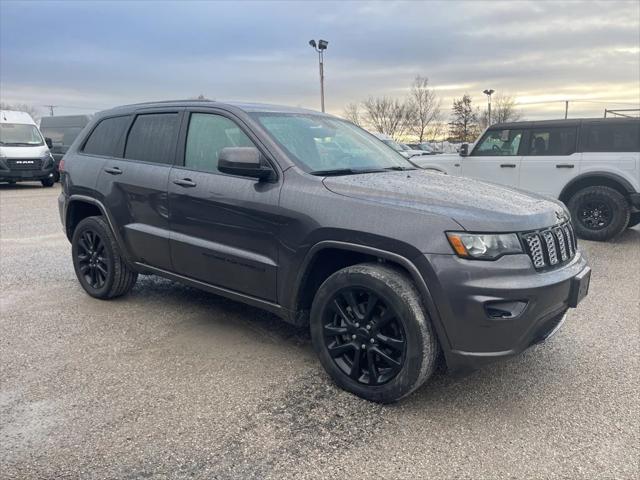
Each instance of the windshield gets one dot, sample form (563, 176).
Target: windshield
(328, 145)
(17, 134)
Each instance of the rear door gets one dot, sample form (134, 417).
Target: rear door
(135, 186)
(224, 227)
(495, 158)
(550, 160)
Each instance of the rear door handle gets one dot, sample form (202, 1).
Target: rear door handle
(113, 170)
(185, 182)
(564, 165)
(508, 165)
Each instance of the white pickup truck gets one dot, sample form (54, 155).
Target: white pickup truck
(592, 165)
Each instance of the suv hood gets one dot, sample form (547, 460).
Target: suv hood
(476, 206)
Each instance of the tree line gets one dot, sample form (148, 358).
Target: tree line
(420, 115)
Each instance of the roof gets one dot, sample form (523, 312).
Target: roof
(572, 122)
(13, 116)
(246, 107)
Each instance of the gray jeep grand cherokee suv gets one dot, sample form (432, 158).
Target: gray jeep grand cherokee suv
(315, 220)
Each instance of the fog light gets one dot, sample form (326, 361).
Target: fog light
(504, 309)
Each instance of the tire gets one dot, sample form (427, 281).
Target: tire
(56, 176)
(47, 182)
(634, 219)
(599, 213)
(97, 262)
(396, 326)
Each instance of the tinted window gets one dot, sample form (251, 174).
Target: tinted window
(499, 143)
(552, 141)
(153, 137)
(616, 137)
(208, 134)
(106, 137)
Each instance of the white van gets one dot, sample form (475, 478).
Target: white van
(592, 165)
(24, 153)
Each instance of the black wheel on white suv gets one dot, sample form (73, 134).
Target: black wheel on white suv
(599, 213)
(371, 332)
(99, 266)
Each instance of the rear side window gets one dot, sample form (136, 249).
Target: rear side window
(208, 134)
(616, 137)
(552, 141)
(153, 138)
(106, 137)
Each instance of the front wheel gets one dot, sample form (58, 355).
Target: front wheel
(47, 182)
(371, 333)
(99, 266)
(599, 213)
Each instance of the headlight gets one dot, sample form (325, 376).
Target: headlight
(484, 247)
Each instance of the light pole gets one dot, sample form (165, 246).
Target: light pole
(320, 47)
(488, 93)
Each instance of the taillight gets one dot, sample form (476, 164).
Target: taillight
(61, 166)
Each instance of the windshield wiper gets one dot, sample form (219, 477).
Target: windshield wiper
(400, 169)
(345, 171)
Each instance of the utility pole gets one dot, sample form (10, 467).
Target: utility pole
(566, 109)
(488, 93)
(320, 47)
(51, 107)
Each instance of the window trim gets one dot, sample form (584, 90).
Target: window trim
(184, 131)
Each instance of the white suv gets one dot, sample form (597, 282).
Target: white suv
(592, 165)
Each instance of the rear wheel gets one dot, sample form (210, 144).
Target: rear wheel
(599, 213)
(97, 261)
(371, 333)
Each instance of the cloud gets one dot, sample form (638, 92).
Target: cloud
(104, 54)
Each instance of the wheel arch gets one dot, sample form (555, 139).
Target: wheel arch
(315, 269)
(592, 179)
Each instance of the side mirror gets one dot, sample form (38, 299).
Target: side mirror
(49, 142)
(243, 161)
(464, 149)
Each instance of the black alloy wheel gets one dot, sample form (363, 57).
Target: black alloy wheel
(364, 336)
(594, 215)
(93, 260)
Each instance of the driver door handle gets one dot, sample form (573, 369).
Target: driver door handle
(564, 165)
(113, 170)
(185, 182)
(508, 165)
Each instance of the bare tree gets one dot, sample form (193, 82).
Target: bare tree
(22, 107)
(503, 109)
(426, 107)
(352, 113)
(464, 125)
(388, 115)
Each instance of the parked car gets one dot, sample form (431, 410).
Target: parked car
(24, 154)
(426, 149)
(592, 165)
(310, 217)
(62, 130)
(401, 148)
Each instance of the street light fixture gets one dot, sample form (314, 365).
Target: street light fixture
(488, 93)
(320, 47)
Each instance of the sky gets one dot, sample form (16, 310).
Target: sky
(88, 56)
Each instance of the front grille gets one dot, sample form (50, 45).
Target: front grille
(24, 163)
(550, 247)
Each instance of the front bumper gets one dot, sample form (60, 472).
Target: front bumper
(27, 175)
(471, 295)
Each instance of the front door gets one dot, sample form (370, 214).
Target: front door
(224, 227)
(495, 158)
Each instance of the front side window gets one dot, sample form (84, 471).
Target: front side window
(323, 144)
(106, 137)
(208, 135)
(153, 138)
(616, 137)
(552, 141)
(499, 143)
(19, 135)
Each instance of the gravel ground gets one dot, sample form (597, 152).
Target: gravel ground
(171, 382)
